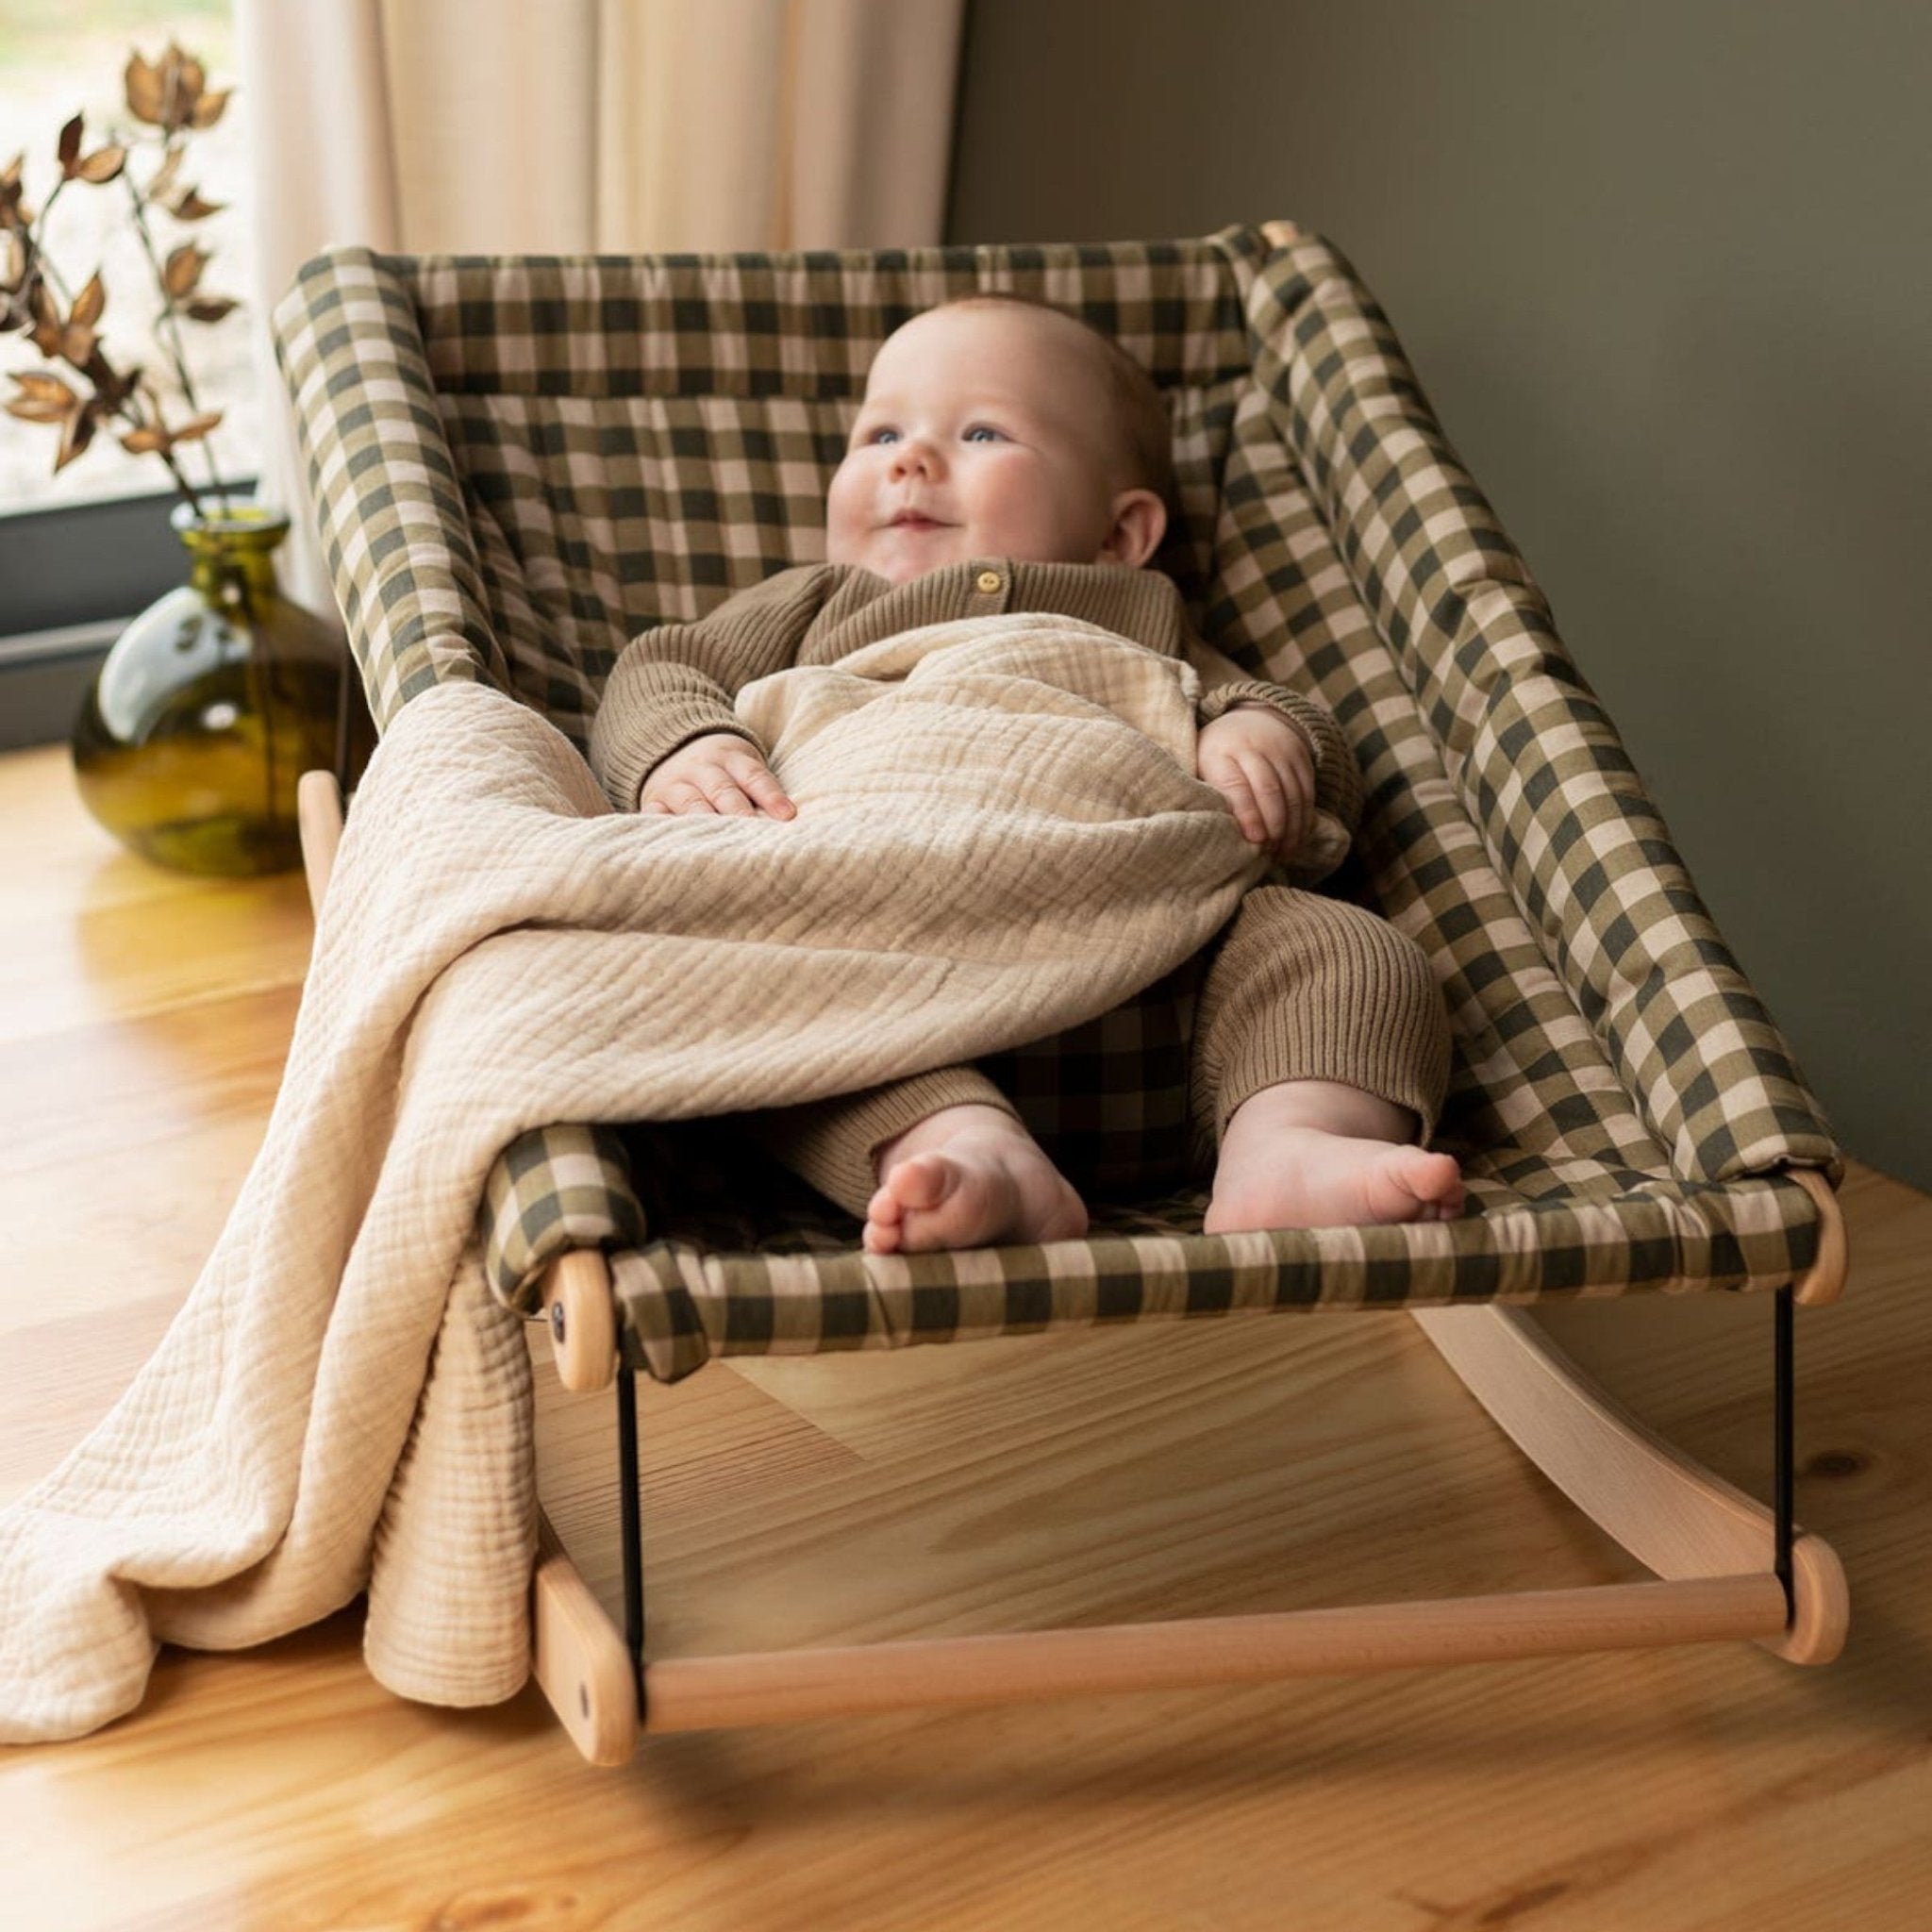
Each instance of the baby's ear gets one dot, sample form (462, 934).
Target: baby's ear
(1139, 521)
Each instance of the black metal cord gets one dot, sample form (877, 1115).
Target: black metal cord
(633, 1544)
(1784, 1404)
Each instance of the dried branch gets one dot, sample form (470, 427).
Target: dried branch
(36, 302)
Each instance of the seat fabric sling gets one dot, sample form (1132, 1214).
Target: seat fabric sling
(521, 463)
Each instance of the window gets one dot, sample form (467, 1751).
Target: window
(84, 549)
(53, 61)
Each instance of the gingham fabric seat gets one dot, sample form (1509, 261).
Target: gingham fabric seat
(521, 463)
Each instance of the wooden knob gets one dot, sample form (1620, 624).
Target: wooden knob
(583, 1319)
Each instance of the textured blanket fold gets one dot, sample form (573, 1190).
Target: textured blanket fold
(999, 836)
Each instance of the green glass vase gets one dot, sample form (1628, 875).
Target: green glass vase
(210, 706)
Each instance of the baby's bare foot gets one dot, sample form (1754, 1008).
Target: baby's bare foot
(975, 1188)
(1303, 1177)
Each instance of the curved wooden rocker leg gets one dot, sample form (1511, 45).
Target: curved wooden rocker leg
(1670, 1512)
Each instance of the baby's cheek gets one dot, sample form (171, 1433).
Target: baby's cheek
(845, 522)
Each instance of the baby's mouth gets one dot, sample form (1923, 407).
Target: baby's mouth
(913, 520)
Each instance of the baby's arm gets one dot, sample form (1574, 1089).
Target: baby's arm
(676, 683)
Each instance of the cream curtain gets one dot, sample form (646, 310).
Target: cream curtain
(570, 126)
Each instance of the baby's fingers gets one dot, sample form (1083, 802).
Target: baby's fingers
(765, 789)
(678, 796)
(1300, 813)
(1277, 806)
(1233, 784)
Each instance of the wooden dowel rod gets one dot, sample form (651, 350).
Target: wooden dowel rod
(319, 825)
(779, 1687)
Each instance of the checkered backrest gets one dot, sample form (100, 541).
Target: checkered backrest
(634, 441)
(519, 463)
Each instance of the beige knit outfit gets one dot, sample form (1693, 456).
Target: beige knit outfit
(1299, 987)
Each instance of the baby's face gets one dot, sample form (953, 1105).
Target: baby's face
(985, 432)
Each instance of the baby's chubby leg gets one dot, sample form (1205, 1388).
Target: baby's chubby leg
(968, 1177)
(1317, 1154)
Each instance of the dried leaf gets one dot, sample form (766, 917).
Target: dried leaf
(14, 213)
(16, 263)
(144, 91)
(198, 426)
(182, 80)
(37, 412)
(48, 324)
(102, 166)
(208, 108)
(89, 303)
(43, 387)
(183, 270)
(138, 443)
(69, 146)
(189, 206)
(43, 399)
(74, 438)
(172, 112)
(77, 345)
(210, 307)
(163, 177)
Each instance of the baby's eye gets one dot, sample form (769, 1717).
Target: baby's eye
(984, 432)
(884, 433)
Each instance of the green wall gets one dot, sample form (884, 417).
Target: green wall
(1665, 272)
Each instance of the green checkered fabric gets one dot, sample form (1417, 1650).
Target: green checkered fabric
(518, 463)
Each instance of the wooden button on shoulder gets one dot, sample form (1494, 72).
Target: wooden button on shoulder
(987, 580)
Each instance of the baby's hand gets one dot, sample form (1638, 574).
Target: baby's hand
(1261, 765)
(720, 771)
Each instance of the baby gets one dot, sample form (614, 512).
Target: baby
(1008, 456)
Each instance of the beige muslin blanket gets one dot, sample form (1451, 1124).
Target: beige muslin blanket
(999, 835)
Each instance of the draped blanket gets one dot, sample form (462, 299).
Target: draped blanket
(999, 836)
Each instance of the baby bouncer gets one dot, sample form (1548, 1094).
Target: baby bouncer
(518, 463)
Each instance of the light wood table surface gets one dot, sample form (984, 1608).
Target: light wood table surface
(1262, 1463)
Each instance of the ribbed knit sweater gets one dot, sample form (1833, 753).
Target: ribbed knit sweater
(676, 682)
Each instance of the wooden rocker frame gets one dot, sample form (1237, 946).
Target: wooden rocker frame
(1724, 1564)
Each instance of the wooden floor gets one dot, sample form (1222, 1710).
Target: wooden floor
(1242, 1465)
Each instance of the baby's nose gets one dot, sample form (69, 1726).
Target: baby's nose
(914, 456)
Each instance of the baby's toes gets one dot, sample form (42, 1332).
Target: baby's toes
(883, 1231)
(1436, 1182)
(922, 1182)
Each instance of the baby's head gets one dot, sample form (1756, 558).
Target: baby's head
(996, 426)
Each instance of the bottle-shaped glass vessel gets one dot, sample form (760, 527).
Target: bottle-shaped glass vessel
(210, 705)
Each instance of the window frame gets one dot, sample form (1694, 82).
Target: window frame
(71, 576)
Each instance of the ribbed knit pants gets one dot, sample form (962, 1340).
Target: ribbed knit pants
(1298, 987)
